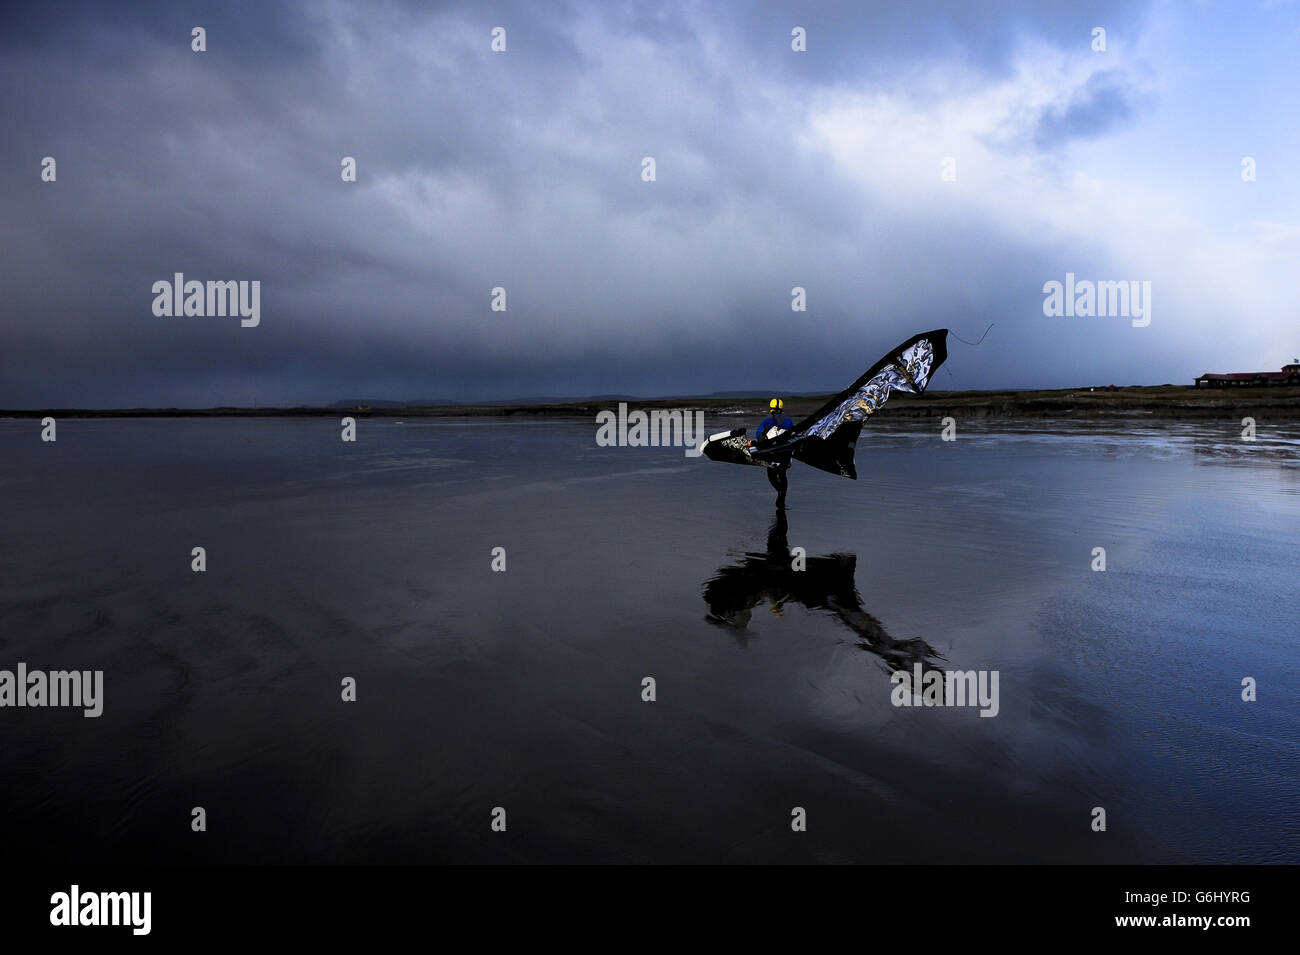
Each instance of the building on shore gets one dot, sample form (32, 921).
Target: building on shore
(1289, 375)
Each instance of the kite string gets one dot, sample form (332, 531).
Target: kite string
(964, 342)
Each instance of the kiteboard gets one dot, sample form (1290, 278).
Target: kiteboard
(733, 447)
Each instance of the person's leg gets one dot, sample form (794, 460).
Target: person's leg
(777, 478)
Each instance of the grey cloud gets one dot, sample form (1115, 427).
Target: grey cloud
(882, 41)
(1108, 100)
(225, 165)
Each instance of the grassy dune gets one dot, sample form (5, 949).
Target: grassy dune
(1159, 401)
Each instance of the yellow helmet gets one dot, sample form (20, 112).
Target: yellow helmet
(776, 404)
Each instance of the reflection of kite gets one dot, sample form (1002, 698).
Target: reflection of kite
(826, 438)
(825, 584)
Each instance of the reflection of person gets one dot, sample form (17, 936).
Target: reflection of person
(824, 584)
(776, 474)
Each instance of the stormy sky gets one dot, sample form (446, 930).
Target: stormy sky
(523, 169)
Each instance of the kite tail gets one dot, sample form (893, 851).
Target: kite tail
(833, 453)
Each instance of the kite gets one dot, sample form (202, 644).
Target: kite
(826, 438)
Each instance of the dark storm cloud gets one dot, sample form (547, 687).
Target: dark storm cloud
(259, 35)
(478, 170)
(1107, 100)
(855, 40)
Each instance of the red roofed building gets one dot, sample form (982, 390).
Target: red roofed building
(1289, 375)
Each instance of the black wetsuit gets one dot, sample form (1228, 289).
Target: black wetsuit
(776, 475)
(776, 478)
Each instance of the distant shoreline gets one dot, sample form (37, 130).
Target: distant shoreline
(1160, 401)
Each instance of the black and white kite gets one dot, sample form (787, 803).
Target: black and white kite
(826, 438)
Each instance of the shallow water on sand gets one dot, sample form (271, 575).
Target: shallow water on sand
(1118, 689)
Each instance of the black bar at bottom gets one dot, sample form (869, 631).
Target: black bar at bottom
(331, 904)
